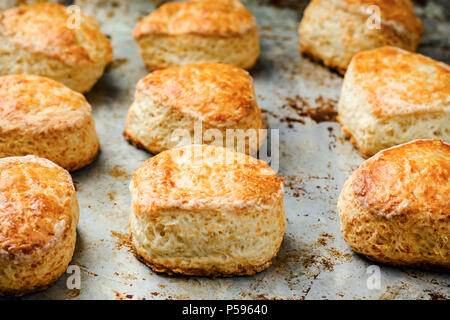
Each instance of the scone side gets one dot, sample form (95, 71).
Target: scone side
(163, 51)
(189, 265)
(143, 125)
(212, 272)
(78, 147)
(352, 110)
(43, 283)
(79, 78)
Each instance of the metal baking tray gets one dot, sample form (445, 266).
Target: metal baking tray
(299, 98)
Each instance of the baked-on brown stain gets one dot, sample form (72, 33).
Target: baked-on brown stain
(122, 296)
(123, 240)
(324, 112)
(118, 172)
(438, 296)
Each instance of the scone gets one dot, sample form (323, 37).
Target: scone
(179, 33)
(42, 117)
(391, 96)
(44, 39)
(7, 4)
(333, 31)
(395, 208)
(174, 106)
(38, 220)
(207, 211)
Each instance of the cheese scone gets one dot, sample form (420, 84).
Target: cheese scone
(38, 219)
(333, 31)
(7, 4)
(214, 102)
(391, 96)
(49, 40)
(179, 33)
(395, 208)
(207, 211)
(42, 117)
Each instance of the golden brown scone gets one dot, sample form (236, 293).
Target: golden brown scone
(333, 31)
(391, 96)
(207, 211)
(38, 220)
(43, 117)
(395, 208)
(179, 33)
(7, 4)
(43, 39)
(205, 99)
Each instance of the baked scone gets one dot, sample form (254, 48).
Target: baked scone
(207, 211)
(333, 31)
(38, 220)
(44, 39)
(7, 4)
(179, 33)
(395, 208)
(42, 117)
(391, 96)
(204, 99)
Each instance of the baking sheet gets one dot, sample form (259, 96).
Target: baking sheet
(297, 97)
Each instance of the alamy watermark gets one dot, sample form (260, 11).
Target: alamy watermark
(74, 279)
(374, 280)
(374, 20)
(74, 19)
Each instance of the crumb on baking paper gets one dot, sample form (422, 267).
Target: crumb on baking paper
(118, 172)
(324, 112)
(123, 240)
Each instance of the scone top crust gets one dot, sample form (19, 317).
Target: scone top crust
(398, 14)
(212, 17)
(201, 177)
(44, 28)
(212, 92)
(34, 103)
(395, 82)
(410, 178)
(35, 197)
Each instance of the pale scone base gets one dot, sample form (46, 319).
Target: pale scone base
(212, 272)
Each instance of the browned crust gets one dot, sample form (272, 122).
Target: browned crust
(248, 270)
(396, 82)
(221, 93)
(395, 263)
